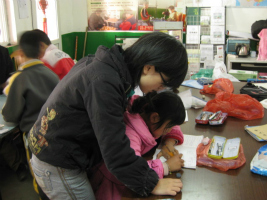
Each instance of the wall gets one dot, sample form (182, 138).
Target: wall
(240, 19)
(72, 15)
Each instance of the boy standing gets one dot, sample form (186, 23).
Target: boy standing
(55, 59)
(30, 86)
(27, 89)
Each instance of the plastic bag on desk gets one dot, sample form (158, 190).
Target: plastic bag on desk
(258, 164)
(221, 164)
(241, 106)
(220, 84)
(220, 71)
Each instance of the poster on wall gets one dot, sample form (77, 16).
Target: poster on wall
(112, 15)
(132, 15)
(251, 3)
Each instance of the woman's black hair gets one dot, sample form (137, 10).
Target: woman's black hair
(167, 104)
(161, 50)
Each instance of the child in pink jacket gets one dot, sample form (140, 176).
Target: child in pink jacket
(149, 118)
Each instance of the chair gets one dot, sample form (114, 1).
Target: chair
(14, 58)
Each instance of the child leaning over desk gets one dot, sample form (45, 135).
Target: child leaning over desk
(148, 118)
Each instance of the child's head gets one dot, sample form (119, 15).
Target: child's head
(145, 3)
(171, 8)
(32, 44)
(43, 37)
(154, 55)
(160, 111)
(44, 41)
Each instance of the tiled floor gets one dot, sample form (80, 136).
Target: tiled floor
(13, 189)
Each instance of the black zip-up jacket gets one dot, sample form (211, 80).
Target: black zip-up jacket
(6, 66)
(83, 119)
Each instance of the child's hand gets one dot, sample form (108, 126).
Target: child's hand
(168, 186)
(167, 151)
(175, 163)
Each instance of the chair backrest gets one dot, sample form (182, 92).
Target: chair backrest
(13, 57)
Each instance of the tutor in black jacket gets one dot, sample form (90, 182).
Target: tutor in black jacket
(82, 122)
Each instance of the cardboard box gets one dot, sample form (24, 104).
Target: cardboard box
(243, 75)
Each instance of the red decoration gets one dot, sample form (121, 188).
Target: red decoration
(43, 4)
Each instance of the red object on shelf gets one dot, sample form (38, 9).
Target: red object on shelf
(43, 4)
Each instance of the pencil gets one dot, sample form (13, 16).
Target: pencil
(170, 153)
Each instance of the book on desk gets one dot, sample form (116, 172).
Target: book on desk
(259, 133)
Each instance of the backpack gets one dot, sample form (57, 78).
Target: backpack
(256, 28)
(257, 92)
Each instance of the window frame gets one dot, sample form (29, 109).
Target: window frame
(34, 7)
(4, 24)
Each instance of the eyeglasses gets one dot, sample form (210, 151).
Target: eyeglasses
(163, 80)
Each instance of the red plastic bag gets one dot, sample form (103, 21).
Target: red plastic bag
(221, 164)
(220, 84)
(241, 106)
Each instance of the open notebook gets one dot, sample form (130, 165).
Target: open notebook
(188, 149)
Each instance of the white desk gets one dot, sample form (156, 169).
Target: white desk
(8, 126)
(251, 64)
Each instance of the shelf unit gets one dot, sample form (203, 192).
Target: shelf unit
(205, 35)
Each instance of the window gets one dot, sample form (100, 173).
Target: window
(51, 18)
(3, 24)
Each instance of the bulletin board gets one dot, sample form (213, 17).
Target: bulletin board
(240, 19)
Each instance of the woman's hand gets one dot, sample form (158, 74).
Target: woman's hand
(168, 186)
(175, 163)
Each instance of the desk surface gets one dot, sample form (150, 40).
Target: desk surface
(8, 126)
(206, 183)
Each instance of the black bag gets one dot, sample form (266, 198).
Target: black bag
(256, 28)
(254, 91)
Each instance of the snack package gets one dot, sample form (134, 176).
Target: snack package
(258, 164)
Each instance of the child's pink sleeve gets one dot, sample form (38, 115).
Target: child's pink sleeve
(176, 133)
(157, 166)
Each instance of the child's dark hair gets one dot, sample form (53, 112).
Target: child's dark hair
(43, 37)
(30, 44)
(168, 105)
(161, 50)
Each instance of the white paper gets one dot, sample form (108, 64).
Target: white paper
(217, 35)
(217, 16)
(204, 20)
(206, 52)
(23, 11)
(193, 56)
(188, 149)
(205, 39)
(193, 34)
